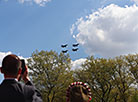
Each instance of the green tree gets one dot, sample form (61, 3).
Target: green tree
(110, 79)
(51, 74)
(123, 79)
(132, 63)
(98, 74)
(135, 97)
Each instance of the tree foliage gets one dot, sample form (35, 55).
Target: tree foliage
(111, 80)
(51, 74)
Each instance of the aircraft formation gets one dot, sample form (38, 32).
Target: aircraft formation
(75, 47)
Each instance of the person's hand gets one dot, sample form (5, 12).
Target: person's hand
(25, 76)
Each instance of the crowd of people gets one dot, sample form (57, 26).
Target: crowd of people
(12, 90)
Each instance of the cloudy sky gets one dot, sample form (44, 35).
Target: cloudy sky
(103, 28)
(110, 31)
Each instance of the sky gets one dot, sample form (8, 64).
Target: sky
(103, 28)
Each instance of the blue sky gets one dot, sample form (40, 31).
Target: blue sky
(104, 28)
(28, 26)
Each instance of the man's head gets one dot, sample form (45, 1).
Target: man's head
(11, 65)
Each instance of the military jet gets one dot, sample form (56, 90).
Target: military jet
(65, 45)
(75, 45)
(76, 49)
(64, 51)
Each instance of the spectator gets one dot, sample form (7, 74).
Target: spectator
(78, 92)
(10, 89)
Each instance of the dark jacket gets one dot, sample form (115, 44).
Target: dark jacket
(13, 91)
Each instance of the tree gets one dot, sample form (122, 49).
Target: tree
(135, 97)
(51, 74)
(109, 79)
(132, 63)
(98, 74)
(123, 79)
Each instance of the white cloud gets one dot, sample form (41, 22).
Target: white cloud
(135, 1)
(2, 55)
(77, 63)
(39, 2)
(72, 29)
(110, 31)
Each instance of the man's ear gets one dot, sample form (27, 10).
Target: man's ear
(1, 70)
(19, 71)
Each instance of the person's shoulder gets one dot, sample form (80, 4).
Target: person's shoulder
(28, 88)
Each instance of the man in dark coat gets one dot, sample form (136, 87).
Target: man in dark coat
(11, 90)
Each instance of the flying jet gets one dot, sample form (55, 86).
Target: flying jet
(65, 45)
(75, 45)
(76, 49)
(64, 51)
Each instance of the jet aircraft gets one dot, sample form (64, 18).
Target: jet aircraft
(76, 49)
(64, 45)
(75, 45)
(64, 51)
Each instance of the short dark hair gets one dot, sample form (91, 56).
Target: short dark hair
(11, 64)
